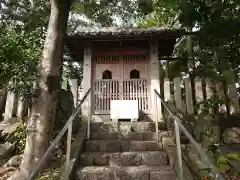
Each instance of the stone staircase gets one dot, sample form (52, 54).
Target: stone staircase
(125, 151)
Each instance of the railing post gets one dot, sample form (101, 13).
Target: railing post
(156, 115)
(89, 119)
(179, 153)
(68, 152)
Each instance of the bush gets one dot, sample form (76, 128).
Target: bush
(224, 165)
(17, 139)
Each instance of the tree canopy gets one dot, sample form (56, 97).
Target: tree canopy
(215, 47)
(25, 22)
(19, 55)
(163, 13)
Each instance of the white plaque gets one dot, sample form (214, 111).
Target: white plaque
(124, 109)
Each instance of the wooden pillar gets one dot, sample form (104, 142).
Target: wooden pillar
(155, 81)
(87, 82)
(10, 103)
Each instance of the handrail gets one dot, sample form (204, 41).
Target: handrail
(39, 165)
(179, 126)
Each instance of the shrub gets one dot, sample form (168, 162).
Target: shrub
(17, 138)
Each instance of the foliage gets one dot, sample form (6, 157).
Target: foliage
(216, 42)
(19, 55)
(72, 67)
(55, 171)
(210, 105)
(29, 20)
(164, 13)
(23, 23)
(17, 139)
(222, 161)
(23, 42)
(113, 13)
(224, 166)
(54, 174)
(215, 20)
(26, 16)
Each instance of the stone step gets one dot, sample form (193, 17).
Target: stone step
(131, 136)
(125, 173)
(126, 126)
(121, 146)
(149, 158)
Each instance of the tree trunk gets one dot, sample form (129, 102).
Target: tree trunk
(39, 129)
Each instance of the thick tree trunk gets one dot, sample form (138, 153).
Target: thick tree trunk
(39, 129)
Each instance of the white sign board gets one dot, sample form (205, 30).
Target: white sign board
(124, 109)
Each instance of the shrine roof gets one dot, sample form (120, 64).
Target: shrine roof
(115, 37)
(111, 32)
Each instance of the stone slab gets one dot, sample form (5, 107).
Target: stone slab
(140, 126)
(91, 146)
(109, 146)
(125, 159)
(125, 173)
(122, 146)
(131, 136)
(149, 158)
(155, 158)
(162, 175)
(104, 136)
(95, 173)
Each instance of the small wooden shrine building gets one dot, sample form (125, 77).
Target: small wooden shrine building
(121, 64)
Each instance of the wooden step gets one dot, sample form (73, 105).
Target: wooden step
(125, 173)
(121, 146)
(149, 158)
